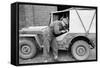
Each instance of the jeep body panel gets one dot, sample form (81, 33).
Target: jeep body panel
(65, 40)
(33, 29)
(34, 32)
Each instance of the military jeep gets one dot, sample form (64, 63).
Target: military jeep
(78, 40)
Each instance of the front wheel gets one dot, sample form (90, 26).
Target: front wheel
(80, 50)
(27, 48)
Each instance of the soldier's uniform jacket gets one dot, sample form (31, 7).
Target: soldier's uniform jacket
(56, 27)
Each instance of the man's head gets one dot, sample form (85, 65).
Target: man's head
(64, 21)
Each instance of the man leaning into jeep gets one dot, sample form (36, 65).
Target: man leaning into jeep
(55, 29)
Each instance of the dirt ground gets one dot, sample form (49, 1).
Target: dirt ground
(63, 56)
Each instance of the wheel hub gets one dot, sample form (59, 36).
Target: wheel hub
(80, 50)
(25, 49)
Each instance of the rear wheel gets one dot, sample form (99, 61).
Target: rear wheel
(80, 50)
(27, 49)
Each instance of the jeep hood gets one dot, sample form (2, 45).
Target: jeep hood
(33, 29)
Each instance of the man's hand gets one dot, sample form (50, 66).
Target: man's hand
(64, 31)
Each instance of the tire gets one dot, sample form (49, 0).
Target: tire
(27, 49)
(80, 50)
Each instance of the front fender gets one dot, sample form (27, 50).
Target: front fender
(34, 36)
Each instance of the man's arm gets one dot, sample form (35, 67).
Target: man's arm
(57, 28)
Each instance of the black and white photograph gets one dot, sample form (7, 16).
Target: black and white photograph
(54, 33)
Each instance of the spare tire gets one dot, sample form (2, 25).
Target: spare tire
(27, 49)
